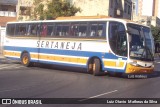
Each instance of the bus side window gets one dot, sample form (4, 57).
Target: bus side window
(97, 29)
(17, 30)
(93, 29)
(38, 29)
(22, 30)
(101, 30)
(82, 30)
(44, 30)
(50, 29)
(58, 30)
(74, 30)
(65, 29)
(33, 30)
(10, 29)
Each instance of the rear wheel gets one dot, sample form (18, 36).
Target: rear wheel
(25, 59)
(95, 67)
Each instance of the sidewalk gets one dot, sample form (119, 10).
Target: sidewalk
(1, 56)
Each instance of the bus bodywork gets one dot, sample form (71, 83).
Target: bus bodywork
(98, 45)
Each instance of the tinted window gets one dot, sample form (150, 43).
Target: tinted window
(97, 29)
(50, 29)
(10, 29)
(82, 30)
(117, 38)
(62, 29)
(32, 30)
(21, 29)
(74, 29)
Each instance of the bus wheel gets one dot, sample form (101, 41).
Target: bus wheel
(96, 67)
(25, 60)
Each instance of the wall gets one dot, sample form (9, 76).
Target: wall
(92, 7)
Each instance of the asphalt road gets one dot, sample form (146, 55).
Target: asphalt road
(17, 81)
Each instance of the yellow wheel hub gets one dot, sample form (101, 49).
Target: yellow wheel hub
(25, 60)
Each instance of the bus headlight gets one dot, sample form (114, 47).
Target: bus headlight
(134, 63)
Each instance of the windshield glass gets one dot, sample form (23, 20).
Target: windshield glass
(141, 42)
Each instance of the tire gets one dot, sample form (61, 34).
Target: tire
(25, 59)
(96, 67)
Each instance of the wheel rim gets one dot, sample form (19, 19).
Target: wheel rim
(25, 60)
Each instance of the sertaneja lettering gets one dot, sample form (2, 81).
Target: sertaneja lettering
(60, 45)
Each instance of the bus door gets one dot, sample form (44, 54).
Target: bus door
(117, 38)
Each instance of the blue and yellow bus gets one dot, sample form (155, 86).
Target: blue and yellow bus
(98, 44)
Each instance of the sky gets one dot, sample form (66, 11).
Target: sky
(147, 8)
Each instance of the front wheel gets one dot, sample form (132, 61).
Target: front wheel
(25, 59)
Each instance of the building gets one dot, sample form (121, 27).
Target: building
(147, 13)
(8, 8)
(7, 11)
(113, 8)
(26, 9)
(7, 14)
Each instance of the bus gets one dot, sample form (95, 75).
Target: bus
(96, 44)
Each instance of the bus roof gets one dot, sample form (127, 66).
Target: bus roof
(81, 18)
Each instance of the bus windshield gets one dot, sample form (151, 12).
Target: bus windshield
(140, 42)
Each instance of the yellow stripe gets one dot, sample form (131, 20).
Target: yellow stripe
(62, 58)
(7, 53)
(113, 64)
(50, 58)
(110, 63)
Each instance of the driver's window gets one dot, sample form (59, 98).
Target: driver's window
(117, 38)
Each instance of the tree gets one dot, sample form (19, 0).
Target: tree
(156, 33)
(57, 8)
(38, 11)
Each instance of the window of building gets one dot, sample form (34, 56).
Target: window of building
(125, 7)
(129, 9)
(111, 3)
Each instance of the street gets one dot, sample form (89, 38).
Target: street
(17, 81)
